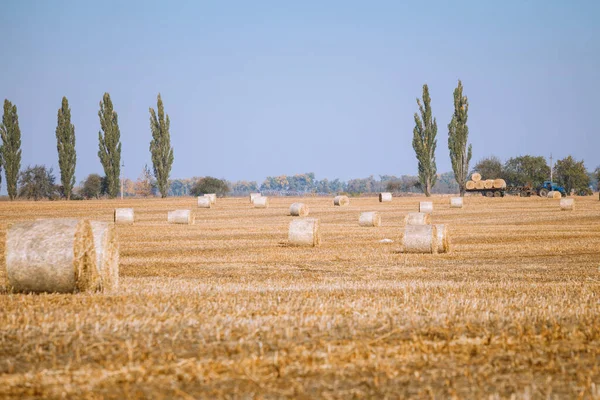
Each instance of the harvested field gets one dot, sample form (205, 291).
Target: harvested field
(225, 308)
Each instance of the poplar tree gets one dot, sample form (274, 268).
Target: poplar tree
(65, 144)
(424, 142)
(10, 151)
(160, 147)
(458, 134)
(110, 145)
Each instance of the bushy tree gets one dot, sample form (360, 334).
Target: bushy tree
(160, 147)
(362, 185)
(275, 183)
(65, 144)
(209, 184)
(37, 183)
(424, 142)
(301, 182)
(458, 134)
(144, 183)
(10, 150)
(489, 168)
(92, 187)
(526, 169)
(571, 174)
(110, 145)
(405, 183)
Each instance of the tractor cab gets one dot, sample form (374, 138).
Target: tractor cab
(549, 186)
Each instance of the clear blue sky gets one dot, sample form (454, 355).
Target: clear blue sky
(257, 88)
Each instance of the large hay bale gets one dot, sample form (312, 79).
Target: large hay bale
(53, 255)
(426, 207)
(299, 210)
(371, 218)
(479, 185)
(553, 194)
(212, 197)
(253, 196)
(385, 197)
(107, 254)
(420, 239)
(476, 177)
(204, 202)
(304, 232)
(261, 202)
(470, 185)
(180, 217)
(124, 216)
(567, 204)
(341, 201)
(417, 218)
(488, 183)
(443, 240)
(499, 184)
(456, 202)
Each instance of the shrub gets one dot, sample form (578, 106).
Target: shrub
(209, 184)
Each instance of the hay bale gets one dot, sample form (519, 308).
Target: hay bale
(298, 210)
(420, 239)
(124, 216)
(553, 194)
(371, 218)
(417, 218)
(476, 177)
(470, 185)
(341, 201)
(488, 183)
(204, 202)
(479, 185)
(180, 217)
(567, 204)
(499, 184)
(107, 254)
(253, 196)
(385, 197)
(443, 240)
(304, 232)
(261, 202)
(52, 255)
(426, 207)
(212, 197)
(456, 202)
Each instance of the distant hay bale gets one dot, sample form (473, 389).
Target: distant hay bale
(456, 202)
(261, 202)
(180, 217)
(341, 201)
(417, 218)
(553, 194)
(476, 177)
(420, 239)
(470, 185)
(443, 240)
(567, 204)
(479, 185)
(371, 218)
(253, 196)
(204, 202)
(304, 232)
(212, 197)
(426, 207)
(499, 184)
(488, 183)
(385, 197)
(52, 255)
(124, 216)
(107, 254)
(298, 210)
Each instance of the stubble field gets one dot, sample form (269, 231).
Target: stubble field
(225, 308)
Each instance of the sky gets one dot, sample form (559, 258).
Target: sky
(262, 88)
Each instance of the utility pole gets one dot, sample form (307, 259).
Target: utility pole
(121, 177)
(551, 169)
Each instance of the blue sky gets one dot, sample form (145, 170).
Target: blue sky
(269, 87)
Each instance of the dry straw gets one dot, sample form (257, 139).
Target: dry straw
(488, 184)
(553, 194)
(180, 217)
(212, 197)
(299, 210)
(304, 232)
(261, 202)
(470, 185)
(341, 201)
(420, 239)
(254, 196)
(124, 216)
(426, 207)
(499, 184)
(479, 185)
(456, 202)
(55, 256)
(371, 218)
(385, 197)
(476, 177)
(417, 218)
(107, 254)
(204, 202)
(567, 204)
(443, 240)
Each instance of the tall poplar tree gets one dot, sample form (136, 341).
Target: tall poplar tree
(424, 142)
(160, 147)
(65, 144)
(458, 134)
(10, 151)
(110, 145)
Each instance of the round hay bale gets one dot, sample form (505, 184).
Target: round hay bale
(204, 202)
(371, 218)
(476, 177)
(499, 184)
(212, 197)
(567, 204)
(456, 202)
(107, 254)
(261, 202)
(304, 232)
(253, 196)
(488, 183)
(443, 240)
(124, 216)
(298, 210)
(180, 217)
(417, 218)
(426, 207)
(480, 185)
(420, 239)
(385, 197)
(341, 201)
(470, 185)
(553, 194)
(52, 255)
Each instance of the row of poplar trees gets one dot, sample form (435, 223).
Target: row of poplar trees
(109, 138)
(425, 142)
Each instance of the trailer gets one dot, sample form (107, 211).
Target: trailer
(523, 191)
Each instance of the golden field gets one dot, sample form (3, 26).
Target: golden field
(224, 308)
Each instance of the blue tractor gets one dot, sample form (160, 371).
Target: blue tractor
(548, 186)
